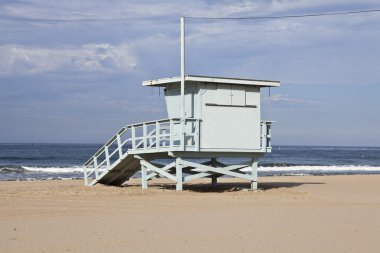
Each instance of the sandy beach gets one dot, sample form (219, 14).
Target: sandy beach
(288, 214)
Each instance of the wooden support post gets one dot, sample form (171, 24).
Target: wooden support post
(254, 175)
(178, 168)
(144, 180)
(214, 180)
(85, 176)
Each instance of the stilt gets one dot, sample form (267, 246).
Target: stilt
(212, 169)
(254, 175)
(214, 181)
(144, 177)
(178, 168)
(85, 176)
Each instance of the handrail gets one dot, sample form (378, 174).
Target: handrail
(154, 140)
(160, 120)
(110, 141)
(265, 136)
(157, 136)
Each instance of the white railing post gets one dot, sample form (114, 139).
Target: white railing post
(171, 132)
(119, 146)
(158, 135)
(85, 176)
(107, 156)
(269, 136)
(263, 135)
(183, 134)
(144, 136)
(133, 133)
(164, 137)
(96, 167)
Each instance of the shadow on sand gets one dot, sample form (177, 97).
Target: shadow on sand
(230, 187)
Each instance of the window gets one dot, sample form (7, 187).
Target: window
(236, 95)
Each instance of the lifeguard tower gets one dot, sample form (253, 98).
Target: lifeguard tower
(208, 118)
(222, 119)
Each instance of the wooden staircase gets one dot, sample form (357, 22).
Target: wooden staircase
(116, 162)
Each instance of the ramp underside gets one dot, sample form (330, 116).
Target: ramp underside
(120, 172)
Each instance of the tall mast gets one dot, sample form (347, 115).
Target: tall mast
(183, 68)
(183, 82)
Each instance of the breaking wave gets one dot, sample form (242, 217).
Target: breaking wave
(273, 167)
(316, 170)
(25, 169)
(11, 169)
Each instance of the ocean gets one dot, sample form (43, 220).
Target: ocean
(64, 161)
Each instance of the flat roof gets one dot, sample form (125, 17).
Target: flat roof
(212, 79)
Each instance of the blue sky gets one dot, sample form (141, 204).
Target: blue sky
(71, 71)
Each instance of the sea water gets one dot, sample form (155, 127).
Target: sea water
(65, 161)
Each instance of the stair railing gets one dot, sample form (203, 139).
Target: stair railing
(266, 135)
(156, 136)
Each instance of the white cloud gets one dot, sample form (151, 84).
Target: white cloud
(87, 58)
(335, 49)
(89, 36)
(284, 99)
(287, 32)
(75, 10)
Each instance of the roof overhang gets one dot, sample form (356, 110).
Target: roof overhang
(209, 79)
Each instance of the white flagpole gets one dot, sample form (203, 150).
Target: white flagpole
(183, 80)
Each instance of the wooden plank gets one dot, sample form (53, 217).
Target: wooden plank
(208, 174)
(225, 171)
(165, 168)
(144, 180)
(178, 169)
(254, 175)
(157, 170)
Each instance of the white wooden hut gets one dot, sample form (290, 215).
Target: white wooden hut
(208, 117)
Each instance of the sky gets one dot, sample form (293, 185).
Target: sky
(71, 71)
